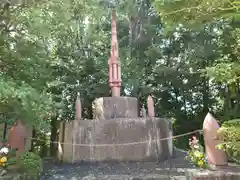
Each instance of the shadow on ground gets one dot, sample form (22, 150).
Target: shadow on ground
(119, 171)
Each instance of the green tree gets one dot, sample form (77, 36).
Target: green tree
(23, 72)
(196, 12)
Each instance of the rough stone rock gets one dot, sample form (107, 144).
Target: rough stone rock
(201, 173)
(89, 177)
(153, 177)
(3, 172)
(11, 177)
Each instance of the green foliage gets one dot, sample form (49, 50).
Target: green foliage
(24, 102)
(24, 72)
(196, 12)
(229, 133)
(225, 72)
(31, 164)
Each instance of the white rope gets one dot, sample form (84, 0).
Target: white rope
(123, 144)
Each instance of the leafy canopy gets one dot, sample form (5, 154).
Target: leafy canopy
(192, 12)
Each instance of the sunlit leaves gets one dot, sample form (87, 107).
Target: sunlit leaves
(229, 133)
(192, 12)
(24, 72)
(225, 72)
(20, 101)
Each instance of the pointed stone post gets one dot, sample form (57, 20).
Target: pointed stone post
(78, 107)
(150, 106)
(16, 137)
(215, 156)
(78, 116)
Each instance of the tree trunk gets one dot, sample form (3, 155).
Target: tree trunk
(33, 140)
(205, 96)
(5, 131)
(53, 138)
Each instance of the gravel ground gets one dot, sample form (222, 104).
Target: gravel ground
(118, 171)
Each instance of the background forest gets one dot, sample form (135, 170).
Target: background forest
(186, 53)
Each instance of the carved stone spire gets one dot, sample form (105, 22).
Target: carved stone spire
(114, 73)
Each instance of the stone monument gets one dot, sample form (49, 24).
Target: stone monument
(116, 133)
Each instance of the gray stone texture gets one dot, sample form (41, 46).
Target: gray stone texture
(115, 107)
(141, 134)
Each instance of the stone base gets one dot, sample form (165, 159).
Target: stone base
(121, 140)
(115, 107)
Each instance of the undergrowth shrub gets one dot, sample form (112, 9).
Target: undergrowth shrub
(31, 164)
(229, 133)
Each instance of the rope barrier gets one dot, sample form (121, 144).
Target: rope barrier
(123, 144)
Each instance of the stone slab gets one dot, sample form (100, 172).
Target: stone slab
(204, 174)
(11, 177)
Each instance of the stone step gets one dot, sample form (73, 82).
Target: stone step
(11, 177)
(160, 177)
(127, 177)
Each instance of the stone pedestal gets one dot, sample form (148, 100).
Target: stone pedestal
(115, 107)
(121, 140)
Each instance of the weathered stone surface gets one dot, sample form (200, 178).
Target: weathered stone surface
(115, 107)
(123, 140)
(215, 156)
(11, 177)
(3, 172)
(203, 174)
(16, 137)
(89, 177)
(153, 177)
